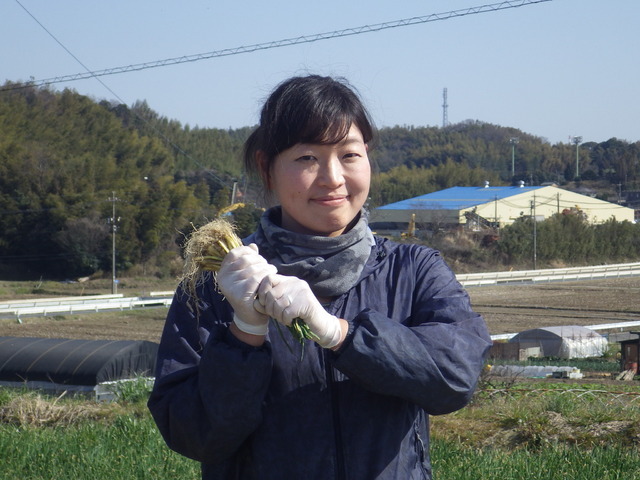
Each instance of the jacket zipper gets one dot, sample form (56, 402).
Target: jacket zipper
(335, 410)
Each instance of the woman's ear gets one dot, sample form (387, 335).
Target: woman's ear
(262, 162)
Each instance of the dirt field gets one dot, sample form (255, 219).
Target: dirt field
(507, 309)
(513, 308)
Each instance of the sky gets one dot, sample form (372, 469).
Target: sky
(556, 69)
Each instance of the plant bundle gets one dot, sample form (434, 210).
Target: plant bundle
(205, 250)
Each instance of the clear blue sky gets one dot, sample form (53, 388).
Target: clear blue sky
(552, 69)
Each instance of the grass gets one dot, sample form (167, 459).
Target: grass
(525, 431)
(44, 437)
(455, 461)
(541, 431)
(126, 447)
(539, 415)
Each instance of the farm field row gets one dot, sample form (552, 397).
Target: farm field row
(506, 309)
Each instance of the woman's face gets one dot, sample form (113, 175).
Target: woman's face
(321, 188)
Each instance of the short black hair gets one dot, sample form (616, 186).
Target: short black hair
(306, 109)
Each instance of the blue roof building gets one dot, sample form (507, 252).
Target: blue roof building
(495, 206)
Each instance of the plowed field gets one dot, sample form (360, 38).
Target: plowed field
(506, 308)
(513, 308)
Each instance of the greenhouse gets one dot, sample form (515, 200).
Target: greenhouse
(570, 341)
(62, 364)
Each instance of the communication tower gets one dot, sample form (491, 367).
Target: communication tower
(445, 106)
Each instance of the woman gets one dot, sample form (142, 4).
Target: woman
(395, 338)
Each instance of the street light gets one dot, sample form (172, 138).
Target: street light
(513, 141)
(577, 141)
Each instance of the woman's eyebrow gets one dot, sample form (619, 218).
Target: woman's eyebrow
(351, 139)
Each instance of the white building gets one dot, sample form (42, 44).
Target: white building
(496, 206)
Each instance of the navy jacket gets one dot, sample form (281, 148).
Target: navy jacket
(415, 348)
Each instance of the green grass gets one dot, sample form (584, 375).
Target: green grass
(454, 461)
(127, 448)
(44, 437)
(529, 431)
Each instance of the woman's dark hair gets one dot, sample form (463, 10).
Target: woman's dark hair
(309, 109)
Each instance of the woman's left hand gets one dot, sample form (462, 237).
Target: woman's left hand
(285, 298)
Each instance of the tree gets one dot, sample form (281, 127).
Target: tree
(83, 240)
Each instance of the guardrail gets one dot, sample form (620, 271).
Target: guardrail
(550, 275)
(58, 300)
(72, 305)
(102, 303)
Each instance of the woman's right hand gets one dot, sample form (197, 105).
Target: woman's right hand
(242, 270)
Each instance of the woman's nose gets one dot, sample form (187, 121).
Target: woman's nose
(331, 173)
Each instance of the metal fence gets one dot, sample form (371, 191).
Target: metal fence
(82, 304)
(102, 303)
(550, 275)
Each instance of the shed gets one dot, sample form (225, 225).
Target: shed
(71, 364)
(570, 341)
(630, 352)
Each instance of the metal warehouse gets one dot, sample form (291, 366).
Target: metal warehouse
(495, 206)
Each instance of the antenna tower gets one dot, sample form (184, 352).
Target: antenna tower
(445, 106)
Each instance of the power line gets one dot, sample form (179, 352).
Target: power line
(278, 43)
(87, 71)
(89, 74)
(247, 49)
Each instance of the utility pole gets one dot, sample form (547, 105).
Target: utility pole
(233, 192)
(577, 141)
(619, 192)
(113, 221)
(535, 233)
(513, 141)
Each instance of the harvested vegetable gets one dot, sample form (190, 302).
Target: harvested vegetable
(204, 251)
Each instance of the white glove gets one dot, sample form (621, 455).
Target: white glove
(285, 298)
(241, 272)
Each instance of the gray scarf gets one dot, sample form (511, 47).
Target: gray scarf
(331, 265)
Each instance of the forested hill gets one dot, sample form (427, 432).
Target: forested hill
(67, 161)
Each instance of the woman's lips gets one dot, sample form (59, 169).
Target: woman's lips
(331, 200)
